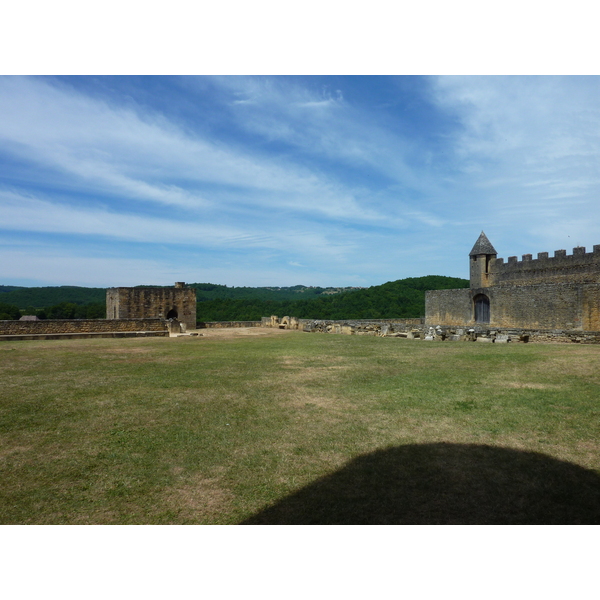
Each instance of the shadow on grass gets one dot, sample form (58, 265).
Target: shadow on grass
(444, 484)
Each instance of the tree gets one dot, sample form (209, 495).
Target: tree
(9, 312)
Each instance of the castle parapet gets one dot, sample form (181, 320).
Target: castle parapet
(579, 267)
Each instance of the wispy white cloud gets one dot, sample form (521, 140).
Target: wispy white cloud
(529, 123)
(526, 152)
(30, 214)
(294, 177)
(284, 111)
(141, 155)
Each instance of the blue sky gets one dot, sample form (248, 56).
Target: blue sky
(285, 180)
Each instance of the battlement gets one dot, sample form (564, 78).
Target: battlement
(578, 252)
(579, 267)
(558, 292)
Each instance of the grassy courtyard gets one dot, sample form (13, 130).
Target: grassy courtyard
(290, 427)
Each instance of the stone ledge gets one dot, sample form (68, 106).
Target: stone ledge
(73, 336)
(58, 326)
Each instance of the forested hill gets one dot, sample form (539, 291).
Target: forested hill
(43, 297)
(212, 291)
(404, 298)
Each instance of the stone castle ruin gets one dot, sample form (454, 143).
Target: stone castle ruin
(561, 292)
(178, 303)
(131, 312)
(544, 299)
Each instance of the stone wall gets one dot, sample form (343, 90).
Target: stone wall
(345, 326)
(49, 327)
(227, 324)
(569, 306)
(418, 330)
(449, 307)
(152, 302)
(579, 267)
(479, 333)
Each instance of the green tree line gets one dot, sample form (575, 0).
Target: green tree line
(43, 297)
(402, 299)
(212, 291)
(63, 310)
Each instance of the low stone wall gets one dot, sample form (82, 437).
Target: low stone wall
(417, 329)
(381, 327)
(346, 326)
(226, 324)
(483, 333)
(59, 326)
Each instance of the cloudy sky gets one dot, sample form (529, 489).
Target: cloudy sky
(242, 180)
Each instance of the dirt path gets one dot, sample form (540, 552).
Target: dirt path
(233, 332)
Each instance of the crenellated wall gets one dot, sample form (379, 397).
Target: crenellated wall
(579, 267)
(548, 292)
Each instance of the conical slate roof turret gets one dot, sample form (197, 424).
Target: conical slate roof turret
(482, 246)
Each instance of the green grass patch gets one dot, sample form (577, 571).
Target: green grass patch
(276, 429)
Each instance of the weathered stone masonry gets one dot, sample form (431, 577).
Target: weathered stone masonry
(381, 327)
(416, 329)
(153, 302)
(554, 293)
(82, 327)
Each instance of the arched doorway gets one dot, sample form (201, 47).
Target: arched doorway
(172, 314)
(482, 308)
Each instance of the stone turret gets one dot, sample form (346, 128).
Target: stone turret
(481, 257)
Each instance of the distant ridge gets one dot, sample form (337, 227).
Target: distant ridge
(404, 298)
(43, 297)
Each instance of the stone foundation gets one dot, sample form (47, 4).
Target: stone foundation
(417, 329)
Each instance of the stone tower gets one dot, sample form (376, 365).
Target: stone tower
(481, 257)
(178, 302)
